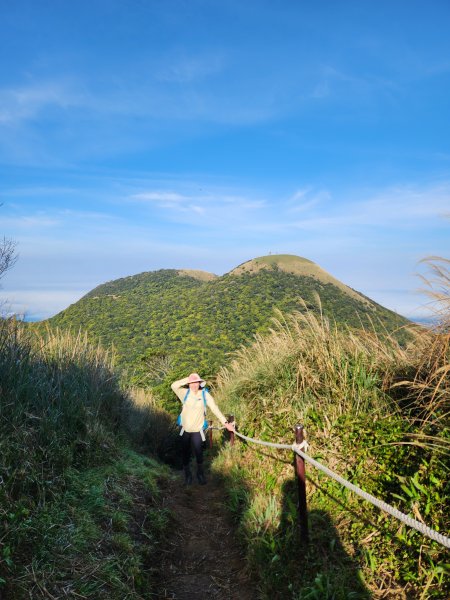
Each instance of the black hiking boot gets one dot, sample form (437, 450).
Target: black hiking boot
(201, 475)
(187, 475)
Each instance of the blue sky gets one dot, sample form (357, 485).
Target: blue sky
(145, 134)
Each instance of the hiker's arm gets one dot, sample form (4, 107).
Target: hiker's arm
(177, 387)
(215, 409)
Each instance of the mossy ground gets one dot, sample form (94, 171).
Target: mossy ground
(99, 538)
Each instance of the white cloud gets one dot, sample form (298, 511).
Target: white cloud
(321, 90)
(253, 204)
(157, 196)
(308, 209)
(334, 82)
(181, 88)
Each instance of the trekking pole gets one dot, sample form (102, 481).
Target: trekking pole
(299, 466)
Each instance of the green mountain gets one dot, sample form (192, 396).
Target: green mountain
(168, 322)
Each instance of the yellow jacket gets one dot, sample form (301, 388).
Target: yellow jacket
(192, 414)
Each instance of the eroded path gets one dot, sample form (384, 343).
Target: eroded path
(201, 559)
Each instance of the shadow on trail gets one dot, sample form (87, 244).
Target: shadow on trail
(324, 569)
(222, 542)
(286, 568)
(201, 558)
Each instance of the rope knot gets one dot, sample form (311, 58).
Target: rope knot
(303, 446)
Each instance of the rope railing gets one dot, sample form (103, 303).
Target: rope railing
(299, 448)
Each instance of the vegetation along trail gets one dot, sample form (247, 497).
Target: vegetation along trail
(201, 558)
(89, 507)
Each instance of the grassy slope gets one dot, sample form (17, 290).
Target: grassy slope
(99, 537)
(79, 512)
(339, 385)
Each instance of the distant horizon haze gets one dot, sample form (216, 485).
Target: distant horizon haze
(425, 318)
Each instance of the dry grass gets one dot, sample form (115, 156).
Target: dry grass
(376, 414)
(308, 359)
(429, 388)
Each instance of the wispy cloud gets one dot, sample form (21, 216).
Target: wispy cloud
(398, 207)
(78, 245)
(185, 206)
(158, 196)
(44, 191)
(307, 198)
(29, 222)
(351, 217)
(408, 204)
(59, 220)
(27, 102)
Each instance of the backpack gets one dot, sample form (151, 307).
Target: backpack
(205, 422)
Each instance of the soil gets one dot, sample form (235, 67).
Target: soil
(202, 558)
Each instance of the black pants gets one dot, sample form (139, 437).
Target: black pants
(192, 441)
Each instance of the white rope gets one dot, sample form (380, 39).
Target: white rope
(298, 448)
(261, 443)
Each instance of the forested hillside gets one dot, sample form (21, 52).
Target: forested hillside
(166, 322)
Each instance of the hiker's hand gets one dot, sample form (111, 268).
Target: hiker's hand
(230, 426)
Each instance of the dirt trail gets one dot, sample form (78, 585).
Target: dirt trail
(201, 558)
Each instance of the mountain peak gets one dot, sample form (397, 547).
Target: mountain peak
(286, 262)
(297, 265)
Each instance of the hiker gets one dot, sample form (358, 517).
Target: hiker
(192, 420)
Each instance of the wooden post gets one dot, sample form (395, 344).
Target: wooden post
(231, 420)
(210, 434)
(299, 465)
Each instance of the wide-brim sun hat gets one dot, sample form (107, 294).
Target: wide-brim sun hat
(194, 377)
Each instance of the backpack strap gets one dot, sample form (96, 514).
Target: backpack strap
(204, 390)
(205, 422)
(179, 416)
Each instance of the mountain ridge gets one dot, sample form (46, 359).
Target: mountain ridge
(166, 322)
